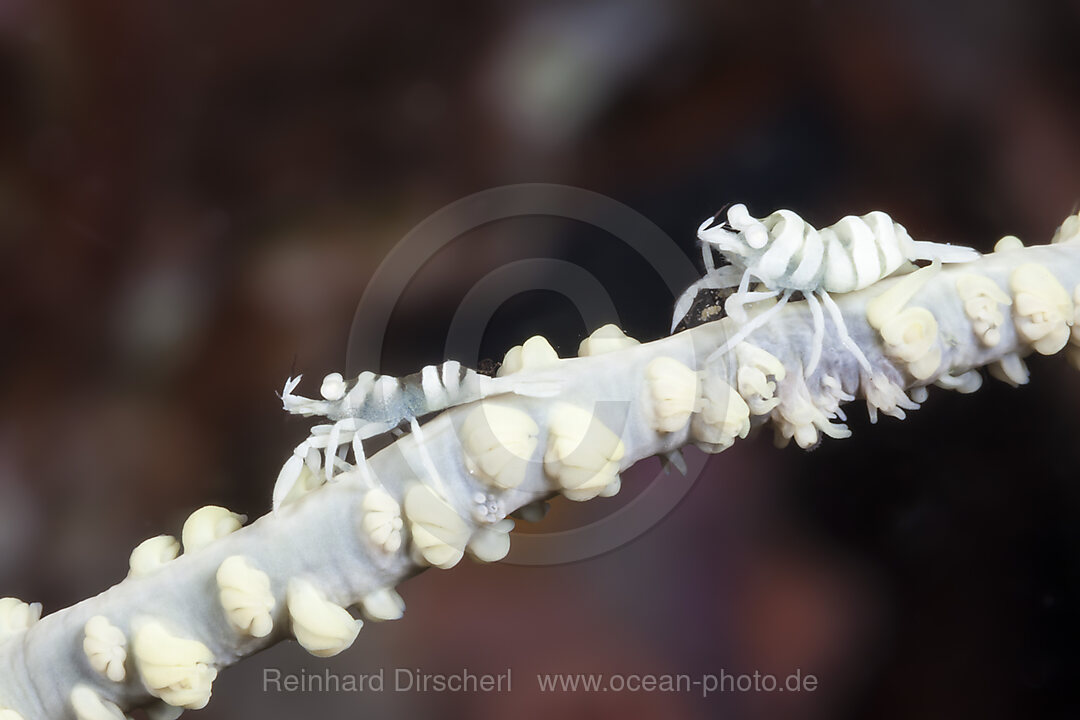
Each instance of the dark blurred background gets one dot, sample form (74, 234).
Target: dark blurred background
(194, 196)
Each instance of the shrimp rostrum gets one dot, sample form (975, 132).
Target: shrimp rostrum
(783, 253)
(371, 405)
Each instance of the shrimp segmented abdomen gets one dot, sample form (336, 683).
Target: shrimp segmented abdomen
(786, 254)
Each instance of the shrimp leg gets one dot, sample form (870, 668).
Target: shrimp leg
(750, 326)
(841, 330)
(819, 333)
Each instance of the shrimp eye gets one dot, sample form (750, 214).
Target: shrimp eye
(333, 387)
(756, 236)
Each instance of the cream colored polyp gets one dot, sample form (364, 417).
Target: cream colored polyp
(208, 524)
(670, 395)
(757, 377)
(798, 416)
(150, 555)
(105, 646)
(178, 670)
(499, 440)
(1010, 369)
(439, 534)
(982, 300)
(323, 628)
(89, 705)
(582, 453)
(491, 543)
(723, 416)
(1068, 231)
(910, 334)
(605, 339)
(1042, 308)
(383, 604)
(534, 353)
(244, 592)
(381, 521)
(16, 616)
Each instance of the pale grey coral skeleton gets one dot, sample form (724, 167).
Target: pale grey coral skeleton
(316, 550)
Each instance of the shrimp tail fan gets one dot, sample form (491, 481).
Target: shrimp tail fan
(925, 250)
(541, 387)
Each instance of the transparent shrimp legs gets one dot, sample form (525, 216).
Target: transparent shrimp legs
(814, 300)
(325, 453)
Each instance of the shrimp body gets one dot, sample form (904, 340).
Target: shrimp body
(371, 405)
(383, 398)
(786, 254)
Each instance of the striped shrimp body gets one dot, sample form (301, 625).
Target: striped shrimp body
(786, 255)
(374, 404)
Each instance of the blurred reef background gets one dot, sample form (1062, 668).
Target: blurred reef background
(194, 196)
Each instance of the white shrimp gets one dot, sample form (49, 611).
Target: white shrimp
(375, 404)
(787, 255)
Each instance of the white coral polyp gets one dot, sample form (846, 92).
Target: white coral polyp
(150, 555)
(757, 389)
(964, 383)
(1042, 308)
(534, 353)
(582, 453)
(723, 417)
(982, 300)
(756, 367)
(499, 441)
(832, 396)
(911, 336)
(671, 393)
(105, 646)
(322, 627)
(244, 592)
(381, 520)
(1010, 369)
(798, 416)
(1068, 230)
(383, 604)
(178, 670)
(491, 543)
(208, 524)
(608, 338)
(89, 705)
(883, 395)
(16, 616)
(439, 534)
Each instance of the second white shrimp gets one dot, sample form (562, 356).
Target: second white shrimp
(374, 404)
